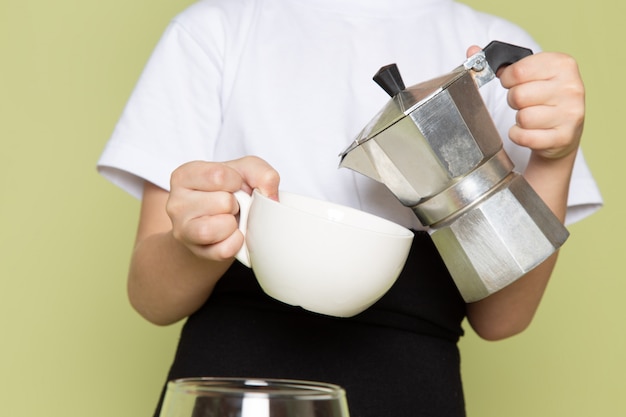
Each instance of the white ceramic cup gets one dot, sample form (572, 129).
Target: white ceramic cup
(324, 257)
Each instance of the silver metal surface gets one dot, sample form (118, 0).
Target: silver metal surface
(436, 148)
(468, 190)
(499, 240)
(479, 68)
(440, 138)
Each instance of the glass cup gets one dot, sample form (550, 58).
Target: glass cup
(253, 397)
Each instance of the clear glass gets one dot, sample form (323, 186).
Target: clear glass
(238, 397)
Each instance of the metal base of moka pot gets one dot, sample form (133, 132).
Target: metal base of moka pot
(434, 145)
(495, 241)
(490, 228)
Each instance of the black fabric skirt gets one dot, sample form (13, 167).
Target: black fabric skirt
(398, 358)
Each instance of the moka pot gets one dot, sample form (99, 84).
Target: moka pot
(435, 146)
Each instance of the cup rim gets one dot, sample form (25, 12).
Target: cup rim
(265, 387)
(401, 231)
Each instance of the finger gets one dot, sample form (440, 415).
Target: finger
(211, 203)
(548, 109)
(185, 205)
(206, 176)
(541, 66)
(259, 174)
(550, 142)
(208, 230)
(538, 117)
(220, 251)
(535, 139)
(524, 71)
(533, 93)
(546, 129)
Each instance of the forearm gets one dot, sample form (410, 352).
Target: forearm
(166, 282)
(511, 310)
(187, 237)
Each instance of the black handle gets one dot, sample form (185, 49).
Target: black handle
(389, 78)
(499, 54)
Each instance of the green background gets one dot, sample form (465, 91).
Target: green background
(70, 345)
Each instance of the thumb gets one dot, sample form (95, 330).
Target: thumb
(474, 49)
(257, 173)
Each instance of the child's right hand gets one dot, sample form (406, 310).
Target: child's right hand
(202, 208)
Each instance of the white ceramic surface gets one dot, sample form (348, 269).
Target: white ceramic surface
(324, 257)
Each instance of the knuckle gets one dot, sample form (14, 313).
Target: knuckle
(217, 174)
(568, 61)
(522, 118)
(181, 173)
(214, 229)
(222, 245)
(173, 206)
(516, 98)
(518, 71)
(178, 233)
(211, 175)
(223, 203)
(204, 232)
(271, 176)
(577, 91)
(576, 116)
(222, 252)
(520, 136)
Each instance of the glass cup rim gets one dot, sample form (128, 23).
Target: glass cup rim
(263, 387)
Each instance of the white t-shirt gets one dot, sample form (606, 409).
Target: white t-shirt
(290, 81)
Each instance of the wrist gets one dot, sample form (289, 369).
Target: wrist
(560, 166)
(550, 178)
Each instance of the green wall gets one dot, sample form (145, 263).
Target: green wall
(69, 343)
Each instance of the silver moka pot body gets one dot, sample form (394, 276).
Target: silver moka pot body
(435, 146)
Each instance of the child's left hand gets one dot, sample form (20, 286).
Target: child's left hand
(548, 93)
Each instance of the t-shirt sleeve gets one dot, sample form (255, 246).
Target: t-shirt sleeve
(172, 117)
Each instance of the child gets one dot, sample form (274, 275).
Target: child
(265, 94)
